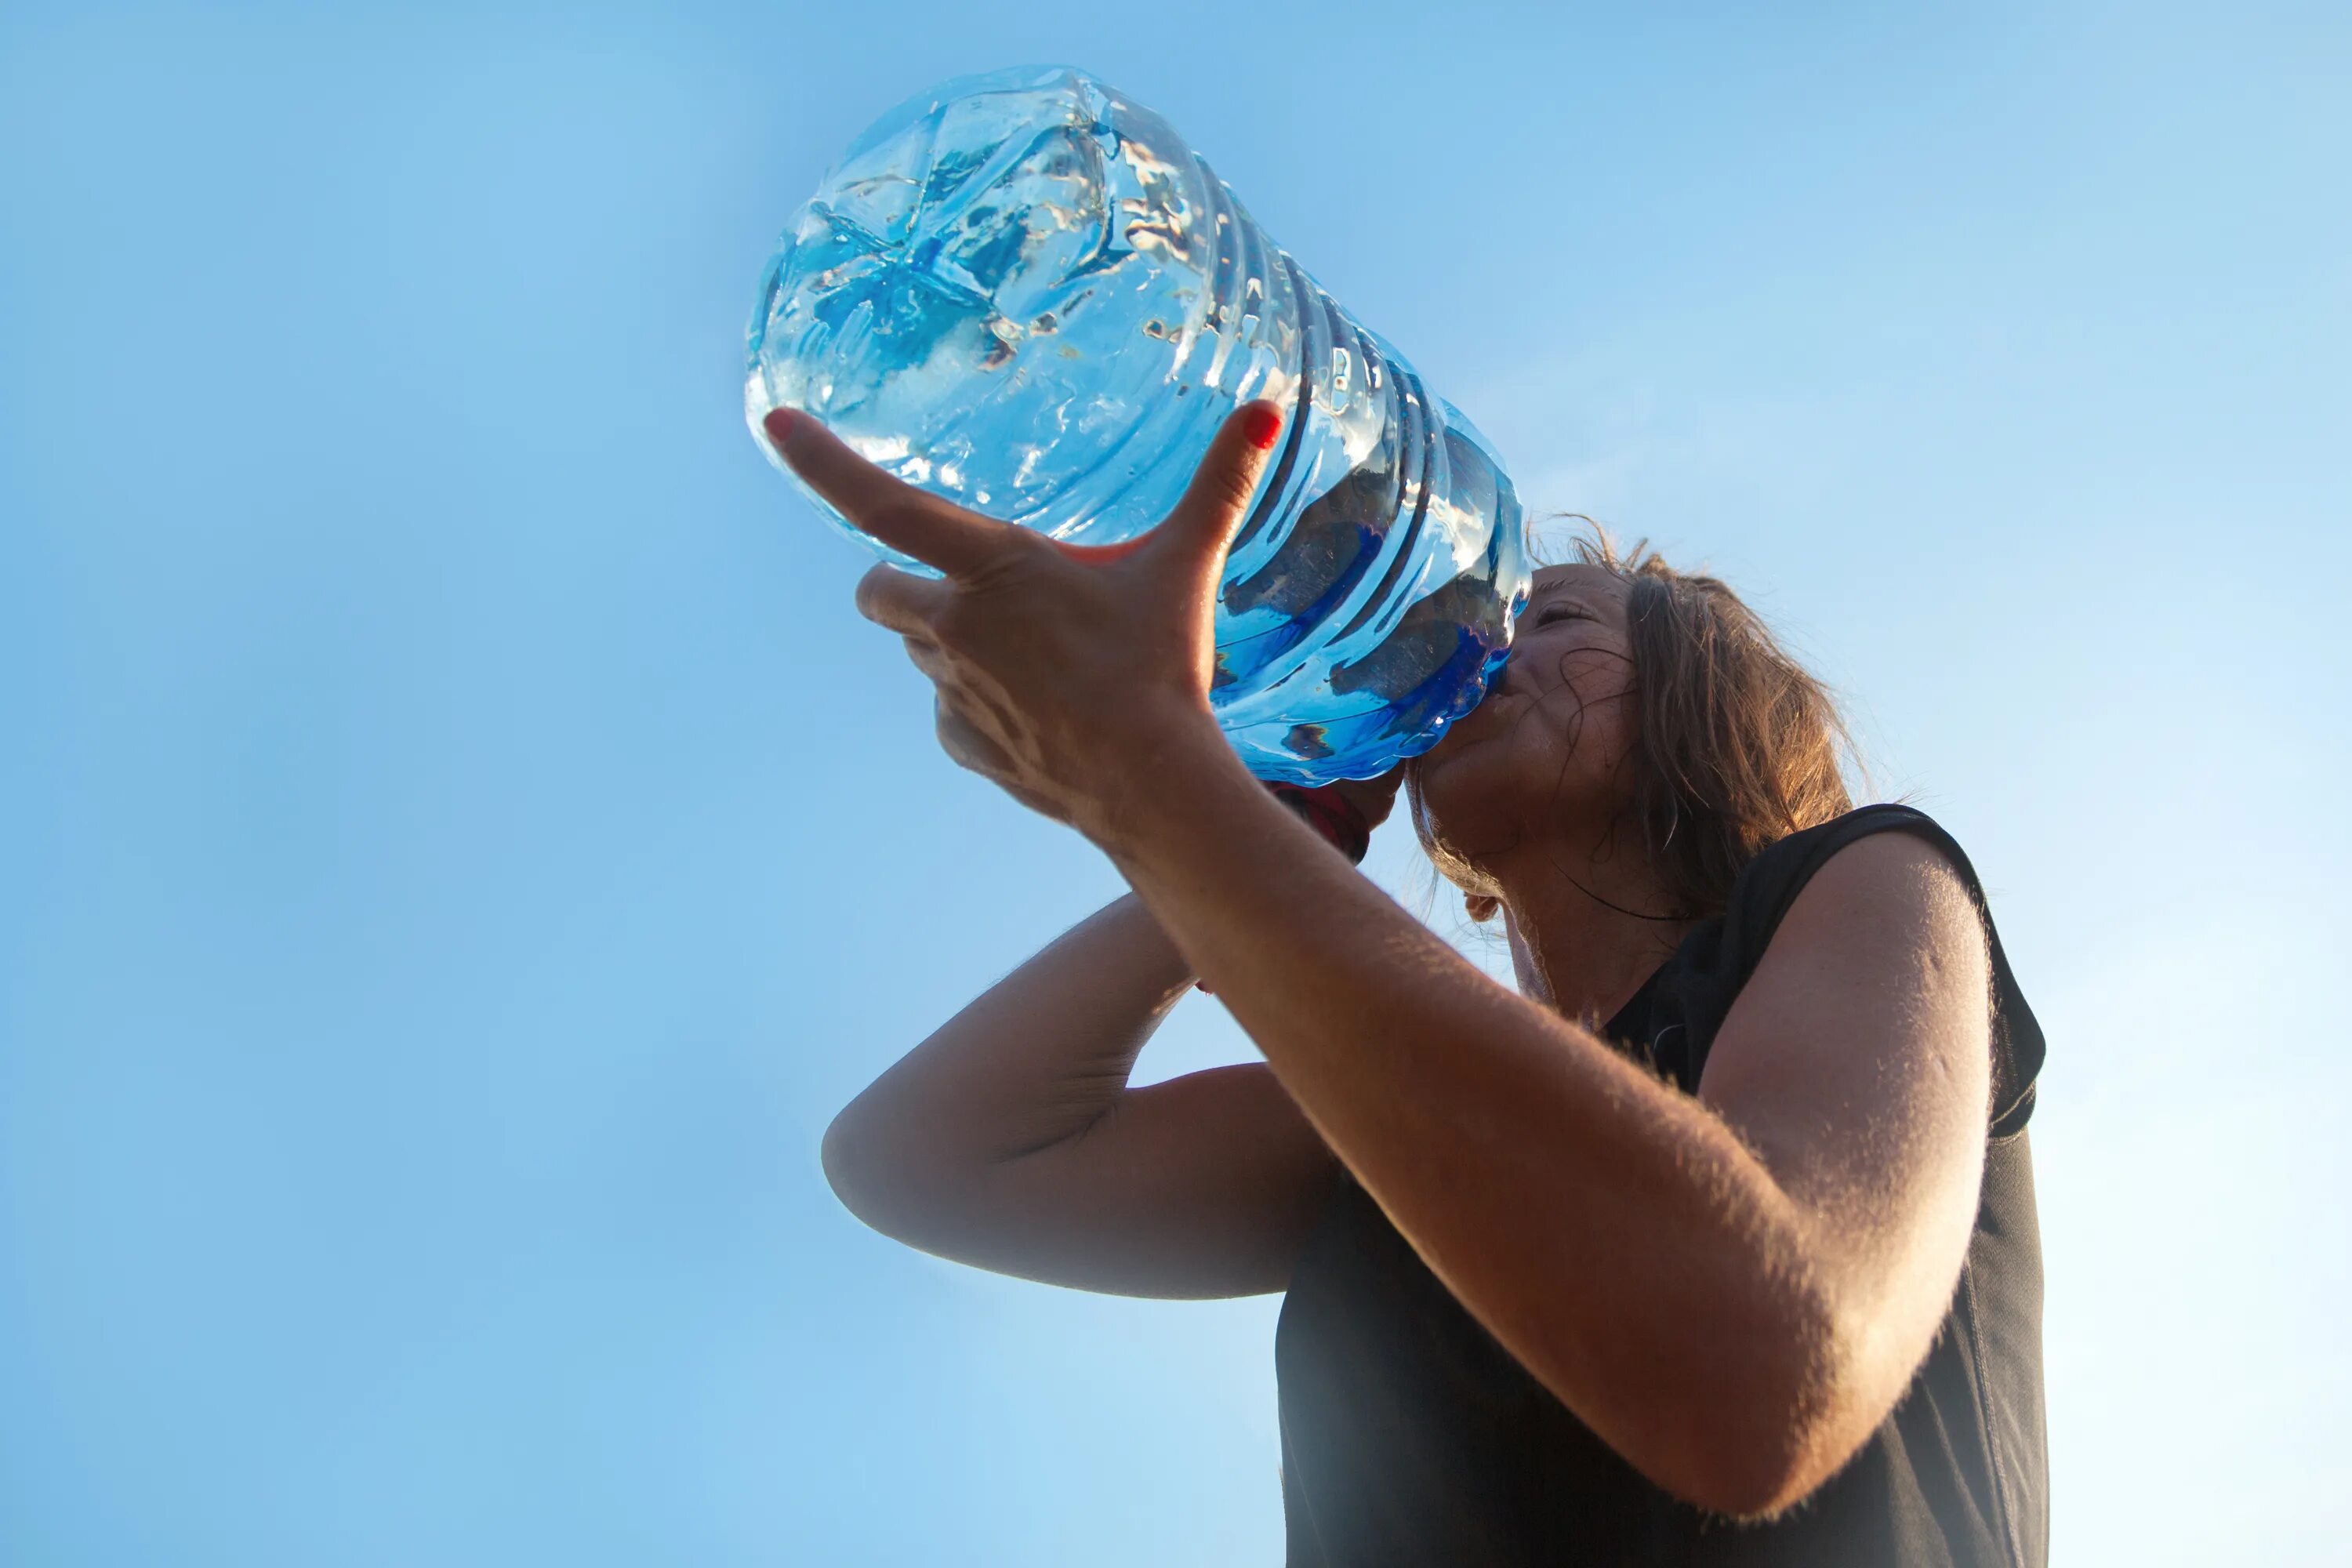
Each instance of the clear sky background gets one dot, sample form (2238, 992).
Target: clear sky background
(459, 846)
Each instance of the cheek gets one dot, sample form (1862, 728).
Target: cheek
(1609, 726)
(1589, 713)
(1508, 760)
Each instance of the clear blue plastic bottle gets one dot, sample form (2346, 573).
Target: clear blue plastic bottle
(1021, 291)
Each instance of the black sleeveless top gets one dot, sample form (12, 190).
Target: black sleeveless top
(1409, 1436)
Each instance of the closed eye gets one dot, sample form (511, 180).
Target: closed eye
(1546, 616)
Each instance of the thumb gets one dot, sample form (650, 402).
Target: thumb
(1217, 500)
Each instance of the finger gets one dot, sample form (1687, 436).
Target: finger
(932, 661)
(1370, 798)
(1218, 498)
(901, 601)
(934, 532)
(967, 742)
(953, 686)
(975, 750)
(949, 692)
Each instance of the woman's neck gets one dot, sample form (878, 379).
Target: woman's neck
(1582, 932)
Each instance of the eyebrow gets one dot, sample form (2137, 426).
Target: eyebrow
(1557, 585)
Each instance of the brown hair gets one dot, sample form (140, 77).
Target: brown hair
(1738, 743)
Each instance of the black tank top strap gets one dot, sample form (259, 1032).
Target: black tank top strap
(1687, 1003)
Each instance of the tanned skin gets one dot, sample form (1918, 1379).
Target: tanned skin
(1731, 1289)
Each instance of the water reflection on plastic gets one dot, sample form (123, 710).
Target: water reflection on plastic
(1023, 292)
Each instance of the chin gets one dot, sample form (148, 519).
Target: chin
(1477, 728)
(1453, 814)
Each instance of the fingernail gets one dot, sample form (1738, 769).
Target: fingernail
(778, 423)
(1261, 424)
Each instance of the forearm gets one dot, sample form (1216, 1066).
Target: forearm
(1036, 1058)
(1611, 1232)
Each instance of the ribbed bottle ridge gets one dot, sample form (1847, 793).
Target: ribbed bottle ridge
(1023, 292)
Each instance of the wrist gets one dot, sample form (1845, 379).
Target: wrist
(1148, 781)
(1204, 807)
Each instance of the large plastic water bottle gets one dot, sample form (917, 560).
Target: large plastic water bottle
(1023, 292)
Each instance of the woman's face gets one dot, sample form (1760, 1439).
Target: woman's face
(1550, 751)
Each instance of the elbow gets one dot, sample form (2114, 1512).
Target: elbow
(1757, 1481)
(896, 1179)
(1763, 1440)
(858, 1173)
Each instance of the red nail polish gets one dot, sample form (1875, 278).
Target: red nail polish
(778, 423)
(1261, 425)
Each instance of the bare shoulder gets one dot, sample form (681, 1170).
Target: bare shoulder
(1857, 1060)
(1889, 890)
(1882, 951)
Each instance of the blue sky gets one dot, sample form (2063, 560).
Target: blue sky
(459, 846)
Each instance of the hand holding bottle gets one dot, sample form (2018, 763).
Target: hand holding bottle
(1065, 673)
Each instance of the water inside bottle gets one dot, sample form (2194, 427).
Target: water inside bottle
(1024, 293)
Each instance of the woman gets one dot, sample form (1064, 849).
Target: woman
(1713, 1245)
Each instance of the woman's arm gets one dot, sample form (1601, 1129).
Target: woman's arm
(1010, 1138)
(1732, 1288)
(1723, 1316)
